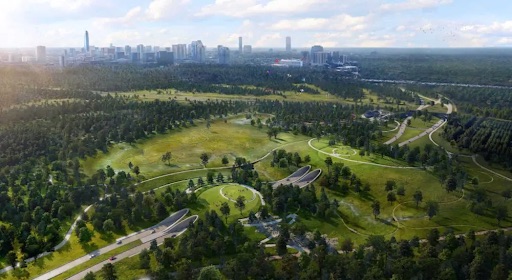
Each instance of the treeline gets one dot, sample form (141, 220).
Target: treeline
(235, 79)
(77, 129)
(488, 67)
(482, 102)
(449, 257)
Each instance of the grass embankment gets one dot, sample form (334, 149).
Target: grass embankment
(234, 138)
(96, 260)
(211, 199)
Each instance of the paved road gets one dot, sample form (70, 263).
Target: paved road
(169, 221)
(433, 83)
(294, 177)
(430, 130)
(173, 231)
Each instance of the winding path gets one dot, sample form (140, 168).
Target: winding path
(232, 200)
(361, 162)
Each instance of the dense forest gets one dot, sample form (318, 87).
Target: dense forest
(465, 66)
(41, 185)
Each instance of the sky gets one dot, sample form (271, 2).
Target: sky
(261, 23)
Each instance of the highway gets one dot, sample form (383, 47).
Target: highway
(170, 221)
(174, 231)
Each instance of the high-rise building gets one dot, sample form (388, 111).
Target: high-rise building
(345, 59)
(179, 51)
(197, 51)
(336, 56)
(240, 45)
(86, 42)
(164, 58)
(140, 51)
(320, 58)
(62, 61)
(247, 49)
(41, 54)
(305, 57)
(288, 44)
(223, 54)
(127, 50)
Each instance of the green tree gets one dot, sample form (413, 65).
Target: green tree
(90, 276)
(184, 270)
(225, 210)
(167, 158)
(432, 209)
(418, 197)
(84, 235)
(391, 197)
(210, 273)
(204, 158)
(11, 258)
(240, 203)
(144, 259)
(328, 162)
(110, 172)
(130, 165)
(376, 208)
(108, 225)
(451, 184)
(108, 272)
(136, 170)
(225, 160)
(501, 213)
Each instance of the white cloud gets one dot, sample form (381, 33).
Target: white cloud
(493, 28)
(413, 5)
(163, 9)
(247, 8)
(341, 22)
(67, 5)
(128, 19)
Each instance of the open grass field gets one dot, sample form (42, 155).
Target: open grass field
(353, 154)
(234, 138)
(233, 192)
(211, 199)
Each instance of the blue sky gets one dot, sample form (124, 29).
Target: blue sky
(262, 23)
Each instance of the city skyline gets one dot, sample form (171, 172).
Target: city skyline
(368, 23)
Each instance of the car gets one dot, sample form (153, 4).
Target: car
(92, 255)
(119, 242)
(174, 235)
(112, 258)
(153, 231)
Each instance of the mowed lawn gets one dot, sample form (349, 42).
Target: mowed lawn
(211, 199)
(235, 138)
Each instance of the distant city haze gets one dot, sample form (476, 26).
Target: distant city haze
(261, 24)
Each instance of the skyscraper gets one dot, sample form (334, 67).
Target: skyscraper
(288, 44)
(223, 54)
(197, 51)
(179, 51)
(240, 45)
(86, 42)
(41, 54)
